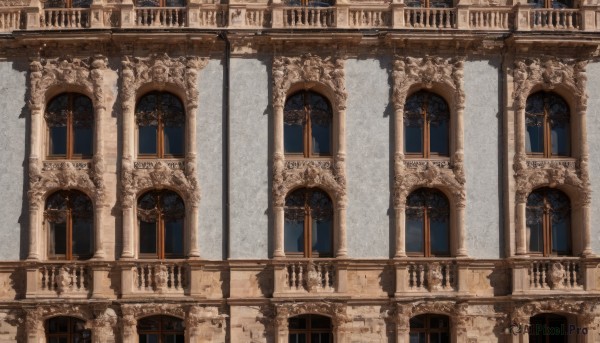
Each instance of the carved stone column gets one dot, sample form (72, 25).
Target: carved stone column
(399, 212)
(99, 214)
(278, 157)
(192, 219)
(128, 228)
(129, 328)
(520, 225)
(34, 225)
(342, 250)
(34, 326)
(104, 323)
(281, 328)
(403, 315)
(461, 250)
(399, 206)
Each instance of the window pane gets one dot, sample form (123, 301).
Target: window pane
(174, 237)
(534, 139)
(561, 237)
(148, 338)
(58, 325)
(294, 236)
(413, 139)
(320, 322)
(414, 235)
(296, 323)
(58, 140)
(147, 139)
(439, 237)
(147, 238)
(417, 337)
(58, 236)
(83, 143)
(438, 322)
(321, 140)
(292, 137)
(173, 339)
(297, 338)
(82, 237)
(321, 237)
(560, 140)
(439, 138)
(535, 236)
(174, 140)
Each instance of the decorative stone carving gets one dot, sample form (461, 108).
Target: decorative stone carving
(161, 277)
(434, 277)
(207, 322)
(137, 311)
(174, 164)
(312, 277)
(104, 324)
(336, 311)
(63, 280)
(523, 311)
(134, 181)
(550, 72)
(35, 317)
(556, 275)
(411, 72)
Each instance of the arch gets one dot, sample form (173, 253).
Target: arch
(310, 328)
(69, 215)
(160, 87)
(312, 86)
(68, 329)
(427, 125)
(548, 327)
(161, 224)
(547, 125)
(161, 329)
(309, 223)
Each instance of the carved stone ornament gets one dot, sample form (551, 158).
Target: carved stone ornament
(312, 278)
(134, 181)
(522, 312)
(556, 275)
(35, 317)
(328, 71)
(411, 72)
(335, 311)
(161, 71)
(457, 311)
(549, 73)
(203, 319)
(137, 311)
(434, 277)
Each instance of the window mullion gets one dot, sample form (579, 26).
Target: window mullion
(69, 234)
(427, 250)
(307, 233)
(307, 127)
(70, 127)
(159, 138)
(160, 249)
(426, 153)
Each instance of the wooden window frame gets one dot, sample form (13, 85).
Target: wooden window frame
(547, 153)
(428, 330)
(69, 256)
(161, 331)
(160, 134)
(426, 131)
(427, 232)
(70, 139)
(547, 231)
(309, 330)
(160, 235)
(69, 334)
(307, 127)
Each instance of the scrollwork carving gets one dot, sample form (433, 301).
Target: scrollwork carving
(336, 311)
(522, 312)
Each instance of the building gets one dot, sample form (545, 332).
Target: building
(360, 171)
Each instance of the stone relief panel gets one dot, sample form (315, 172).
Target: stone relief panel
(445, 74)
(550, 73)
(86, 76)
(161, 72)
(331, 175)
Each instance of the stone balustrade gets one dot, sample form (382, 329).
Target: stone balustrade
(308, 276)
(52, 279)
(161, 277)
(553, 275)
(344, 16)
(427, 276)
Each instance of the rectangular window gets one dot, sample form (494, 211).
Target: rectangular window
(293, 141)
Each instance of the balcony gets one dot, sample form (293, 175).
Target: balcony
(169, 278)
(277, 15)
(553, 275)
(309, 277)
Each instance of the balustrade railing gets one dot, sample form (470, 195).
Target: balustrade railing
(555, 274)
(160, 17)
(430, 18)
(10, 19)
(65, 18)
(432, 276)
(161, 277)
(307, 276)
(64, 278)
(308, 17)
(257, 17)
(489, 18)
(213, 16)
(369, 17)
(555, 19)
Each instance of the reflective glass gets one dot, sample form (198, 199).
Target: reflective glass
(296, 323)
(535, 139)
(58, 325)
(173, 338)
(174, 237)
(145, 338)
(58, 141)
(320, 322)
(439, 234)
(321, 143)
(147, 139)
(414, 236)
(294, 236)
(82, 237)
(560, 140)
(417, 337)
(561, 237)
(321, 237)
(293, 141)
(147, 238)
(438, 138)
(413, 139)
(535, 236)
(84, 137)
(174, 140)
(58, 233)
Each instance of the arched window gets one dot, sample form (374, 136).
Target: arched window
(548, 328)
(310, 328)
(427, 223)
(429, 328)
(70, 218)
(429, 3)
(307, 128)
(66, 330)
(67, 3)
(551, 3)
(547, 119)
(160, 3)
(161, 217)
(161, 329)
(426, 125)
(160, 117)
(549, 222)
(70, 121)
(308, 228)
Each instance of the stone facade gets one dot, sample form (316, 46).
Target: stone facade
(233, 66)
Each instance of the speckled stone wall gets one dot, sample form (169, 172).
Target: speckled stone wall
(482, 159)
(13, 114)
(249, 140)
(209, 130)
(593, 138)
(368, 125)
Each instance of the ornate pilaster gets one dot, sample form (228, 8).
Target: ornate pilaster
(326, 74)
(178, 75)
(446, 75)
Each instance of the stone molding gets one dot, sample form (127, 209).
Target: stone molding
(412, 73)
(335, 311)
(586, 311)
